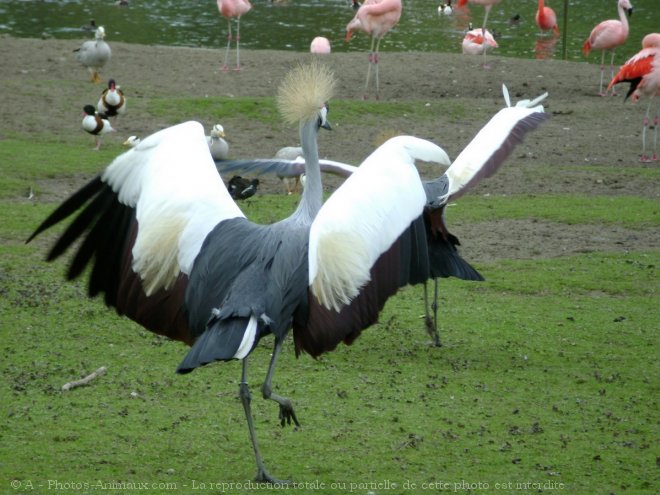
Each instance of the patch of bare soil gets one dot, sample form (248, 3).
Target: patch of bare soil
(590, 146)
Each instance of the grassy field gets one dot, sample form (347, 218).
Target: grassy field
(547, 382)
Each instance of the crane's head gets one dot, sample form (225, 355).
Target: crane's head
(304, 94)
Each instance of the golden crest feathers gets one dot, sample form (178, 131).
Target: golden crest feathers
(304, 91)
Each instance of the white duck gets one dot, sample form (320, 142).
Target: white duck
(217, 145)
(95, 125)
(94, 54)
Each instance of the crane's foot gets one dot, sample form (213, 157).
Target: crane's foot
(264, 477)
(645, 159)
(431, 330)
(225, 68)
(238, 68)
(287, 414)
(654, 158)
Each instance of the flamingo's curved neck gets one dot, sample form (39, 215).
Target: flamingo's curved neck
(623, 17)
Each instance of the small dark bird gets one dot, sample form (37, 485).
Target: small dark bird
(90, 28)
(241, 188)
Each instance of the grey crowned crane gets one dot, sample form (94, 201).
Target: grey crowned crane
(471, 166)
(171, 250)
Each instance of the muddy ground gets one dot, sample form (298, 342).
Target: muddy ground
(590, 146)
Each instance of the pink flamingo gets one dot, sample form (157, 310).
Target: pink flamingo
(477, 41)
(376, 18)
(546, 19)
(320, 45)
(488, 4)
(233, 9)
(642, 71)
(607, 36)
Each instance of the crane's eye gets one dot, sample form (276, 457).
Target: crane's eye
(323, 117)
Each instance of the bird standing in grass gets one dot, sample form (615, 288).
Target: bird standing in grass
(241, 188)
(94, 54)
(445, 8)
(233, 9)
(95, 124)
(608, 35)
(170, 249)
(546, 19)
(218, 147)
(320, 46)
(112, 102)
(642, 71)
(477, 41)
(477, 45)
(376, 18)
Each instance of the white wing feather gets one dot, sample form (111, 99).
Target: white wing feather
(365, 216)
(488, 141)
(171, 180)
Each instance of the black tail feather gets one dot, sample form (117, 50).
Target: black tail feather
(219, 342)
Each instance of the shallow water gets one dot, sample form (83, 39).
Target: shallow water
(292, 24)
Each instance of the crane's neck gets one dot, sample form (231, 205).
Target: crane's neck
(312, 197)
(541, 5)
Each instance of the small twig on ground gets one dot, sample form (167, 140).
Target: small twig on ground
(86, 380)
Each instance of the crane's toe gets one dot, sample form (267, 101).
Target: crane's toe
(287, 414)
(264, 477)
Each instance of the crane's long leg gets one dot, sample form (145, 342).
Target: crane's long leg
(224, 65)
(431, 323)
(287, 414)
(246, 398)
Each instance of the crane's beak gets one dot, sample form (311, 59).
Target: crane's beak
(630, 12)
(326, 125)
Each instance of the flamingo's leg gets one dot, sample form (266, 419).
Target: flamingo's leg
(238, 42)
(224, 65)
(645, 158)
(614, 93)
(654, 157)
(371, 61)
(376, 54)
(602, 71)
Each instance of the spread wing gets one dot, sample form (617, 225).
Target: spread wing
(281, 167)
(141, 224)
